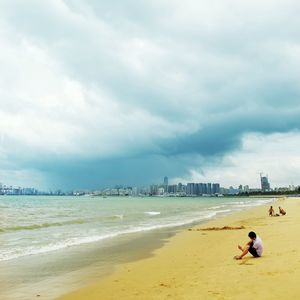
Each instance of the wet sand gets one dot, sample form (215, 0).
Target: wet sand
(50, 275)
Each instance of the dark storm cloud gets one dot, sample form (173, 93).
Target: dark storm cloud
(97, 92)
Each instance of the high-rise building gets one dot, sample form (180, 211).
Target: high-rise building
(209, 188)
(197, 189)
(204, 188)
(154, 189)
(166, 181)
(179, 187)
(190, 189)
(265, 185)
(216, 188)
(172, 189)
(165, 185)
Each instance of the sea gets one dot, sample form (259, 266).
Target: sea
(50, 245)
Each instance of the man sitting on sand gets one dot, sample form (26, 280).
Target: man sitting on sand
(282, 211)
(271, 211)
(255, 246)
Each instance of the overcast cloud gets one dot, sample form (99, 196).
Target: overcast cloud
(98, 93)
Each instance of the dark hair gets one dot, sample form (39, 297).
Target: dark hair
(252, 235)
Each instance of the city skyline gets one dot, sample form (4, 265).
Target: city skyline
(94, 93)
(159, 189)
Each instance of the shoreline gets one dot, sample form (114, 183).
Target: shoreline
(52, 274)
(85, 264)
(195, 264)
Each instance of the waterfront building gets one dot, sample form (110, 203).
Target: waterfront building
(204, 187)
(209, 190)
(216, 188)
(161, 191)
(154, 189)
(246, 188)
(172, 189)
(179, 187)
(265, 185)
(166, 183)
(190, 188)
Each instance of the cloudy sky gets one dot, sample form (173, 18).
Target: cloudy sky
(97, 93)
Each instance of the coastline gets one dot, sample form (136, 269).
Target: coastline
(197, 264)
(51, 274)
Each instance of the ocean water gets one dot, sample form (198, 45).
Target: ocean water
(45, 239)
(34, 225)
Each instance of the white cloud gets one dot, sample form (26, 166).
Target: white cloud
(44, 110)
(95, 80)
(276, 155)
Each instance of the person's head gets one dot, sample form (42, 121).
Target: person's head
(271, 206)
(252, 235)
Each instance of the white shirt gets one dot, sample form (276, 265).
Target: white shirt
(257, 244)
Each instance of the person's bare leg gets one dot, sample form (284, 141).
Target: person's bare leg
(244, 248)
(245, 251)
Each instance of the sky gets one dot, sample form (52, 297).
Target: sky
(98, 93)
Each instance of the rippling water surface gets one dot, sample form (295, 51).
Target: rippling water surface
(35, 225)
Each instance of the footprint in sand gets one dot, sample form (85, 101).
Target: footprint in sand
(214, 292)
(165, 285)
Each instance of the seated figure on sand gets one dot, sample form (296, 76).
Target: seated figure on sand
(282, 211)
(254, 246)
(271, 211)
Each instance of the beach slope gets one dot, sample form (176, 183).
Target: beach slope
(199, 264)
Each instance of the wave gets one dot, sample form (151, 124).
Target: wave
(251, 203)
(152, 213)
(113, 217)
(167, 222)
(218, 206)
(223, 211)
(40, 226)
(16, 253)
(56, 224)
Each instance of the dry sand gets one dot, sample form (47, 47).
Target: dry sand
(197, 264)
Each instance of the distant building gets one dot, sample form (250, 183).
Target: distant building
(246, 188)
(161, 191)
(209, 190)
(190, 189)
(166, 183)
(172, 189)
(154, 189)
(265, 185)
(166, 180)
(216, 188)
(233, 191)
(240, 188)
(179, 187)
(202, 188)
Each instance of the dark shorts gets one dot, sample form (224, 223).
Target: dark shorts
(253, 250)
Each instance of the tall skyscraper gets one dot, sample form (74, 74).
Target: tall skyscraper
(190, 189)
(166, 180)
(216, 188)
(179, 187)
(209, 188)
(265, 185)
(166, 183)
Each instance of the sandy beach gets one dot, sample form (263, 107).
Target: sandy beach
(199, 264)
